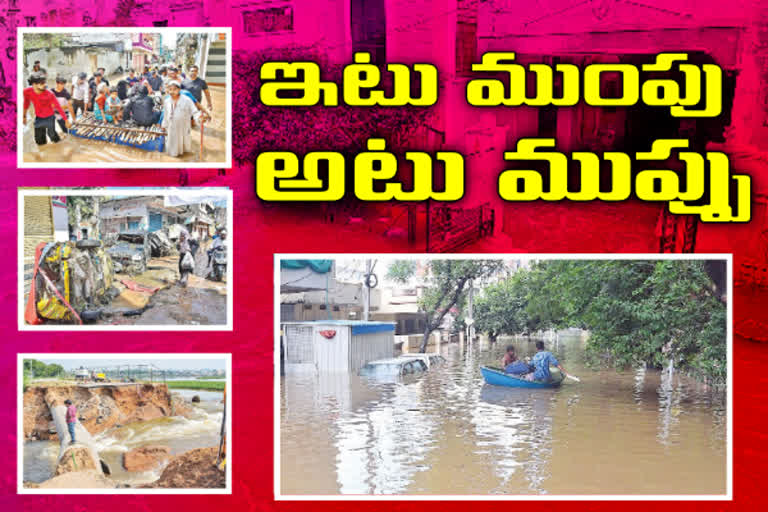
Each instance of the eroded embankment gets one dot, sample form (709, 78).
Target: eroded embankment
(98, 408)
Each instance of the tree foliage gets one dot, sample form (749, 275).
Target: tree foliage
(448, 283)
(638, 312)
(503, 307)
(35, 368)
(401, 271)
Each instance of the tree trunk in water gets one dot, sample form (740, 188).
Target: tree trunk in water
(425, 341)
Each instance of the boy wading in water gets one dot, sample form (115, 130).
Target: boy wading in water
(71, 419)
(46, 105)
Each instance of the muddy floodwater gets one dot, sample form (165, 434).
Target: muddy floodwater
(447, 432)
(179, 434)
(75, 149)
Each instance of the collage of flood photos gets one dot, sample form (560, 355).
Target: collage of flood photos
(406, 352)
(124, 259)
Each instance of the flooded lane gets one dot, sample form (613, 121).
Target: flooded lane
(447, 432)
(75, 149)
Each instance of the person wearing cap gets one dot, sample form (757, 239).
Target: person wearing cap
(80, 93)
(45, 104)
(178, 110)
(63, 97)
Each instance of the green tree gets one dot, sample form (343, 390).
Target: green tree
(37, 369)
(502, 308)
(639, 312)
(448, 284)
(401, 270)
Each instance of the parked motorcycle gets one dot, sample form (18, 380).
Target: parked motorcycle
(219, 257)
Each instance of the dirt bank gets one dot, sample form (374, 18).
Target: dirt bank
(99, 408)
(194, 469)
(74, 459)
(75, 480)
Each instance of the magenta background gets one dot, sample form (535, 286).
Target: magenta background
(260, 232)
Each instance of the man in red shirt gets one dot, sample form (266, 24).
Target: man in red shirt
(45, 103)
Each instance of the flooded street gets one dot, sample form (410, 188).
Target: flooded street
(447, 432)
(75, 149)
(180, 434)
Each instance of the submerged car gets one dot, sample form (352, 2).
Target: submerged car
(393, 367)
(130, 252)
(429, 359)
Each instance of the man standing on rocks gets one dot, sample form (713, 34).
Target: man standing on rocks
(71, 419)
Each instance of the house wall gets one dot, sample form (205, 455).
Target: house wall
(306, 312)
(370, 347)
(331, 355)
(265, 24)
(38, 224)
(216, 65)
(71, 62)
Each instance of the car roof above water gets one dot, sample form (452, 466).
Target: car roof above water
(391, 360)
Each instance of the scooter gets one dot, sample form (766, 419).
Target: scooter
(219, 257)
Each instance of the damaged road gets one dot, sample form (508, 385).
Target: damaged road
(154, 296)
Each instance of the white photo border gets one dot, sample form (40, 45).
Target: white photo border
(20, 489)
(728, 496)
(21, 164)
(225, 192)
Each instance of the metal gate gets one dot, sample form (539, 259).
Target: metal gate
(450, 228)
(298, 341)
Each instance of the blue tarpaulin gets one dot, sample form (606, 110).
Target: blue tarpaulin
(319, 266)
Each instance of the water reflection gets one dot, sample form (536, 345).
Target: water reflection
(447, 432)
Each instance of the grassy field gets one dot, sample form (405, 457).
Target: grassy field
(196, 384)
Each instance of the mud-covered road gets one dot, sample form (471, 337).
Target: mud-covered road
(202, 302)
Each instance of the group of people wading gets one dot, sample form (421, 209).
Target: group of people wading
(161, 95)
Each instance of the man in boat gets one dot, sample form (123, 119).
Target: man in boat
(542, 360)
(46, 105)
(512, 364)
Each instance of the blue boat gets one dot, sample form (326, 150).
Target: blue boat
(499, 377)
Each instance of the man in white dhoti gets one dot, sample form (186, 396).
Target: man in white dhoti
(178, 110)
